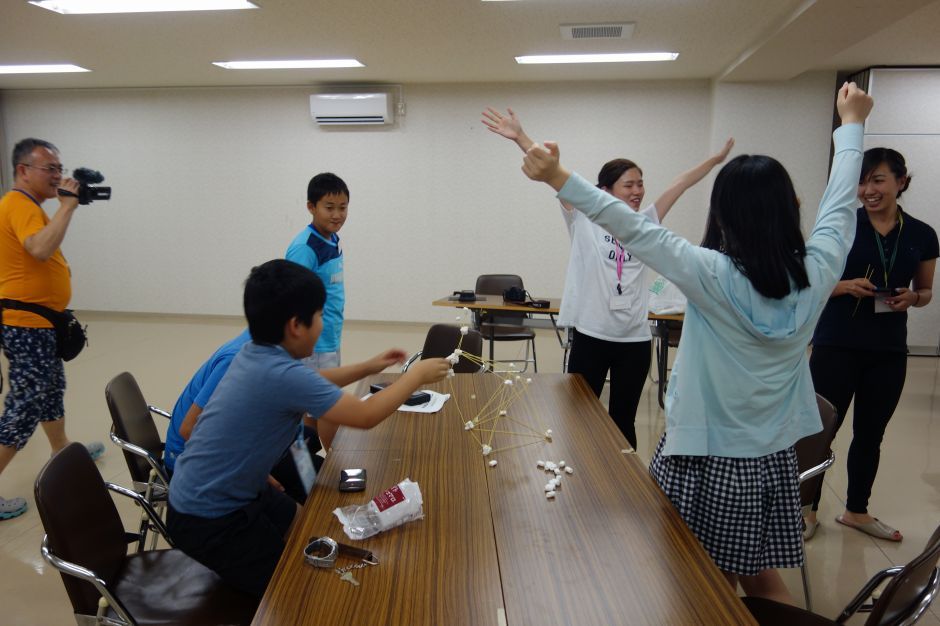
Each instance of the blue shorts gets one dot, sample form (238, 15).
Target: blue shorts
(37, 383)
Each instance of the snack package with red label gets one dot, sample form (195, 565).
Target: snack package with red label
(393, 507)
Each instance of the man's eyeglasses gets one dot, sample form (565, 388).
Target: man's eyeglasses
(49, 169)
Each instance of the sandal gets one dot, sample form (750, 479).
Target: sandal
(809, 529)
(95, 449)
(876, 528)
(13, 507)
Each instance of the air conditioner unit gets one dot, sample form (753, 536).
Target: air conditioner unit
(335, 109)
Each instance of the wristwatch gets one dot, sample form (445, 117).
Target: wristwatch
(321, 552)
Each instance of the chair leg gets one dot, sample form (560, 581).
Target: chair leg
(491, 349)
(535, 361)
(805, 576)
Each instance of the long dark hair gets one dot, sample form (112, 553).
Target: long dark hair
(754, 218)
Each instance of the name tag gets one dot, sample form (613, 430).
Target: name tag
(620, 303)
(881, 306)
(303, 462)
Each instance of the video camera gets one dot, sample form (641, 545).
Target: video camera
(88, 192)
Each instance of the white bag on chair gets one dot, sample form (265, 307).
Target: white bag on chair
(665, 298)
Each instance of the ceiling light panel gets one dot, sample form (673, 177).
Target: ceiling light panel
(628, 57)
(288, 64)
(76, 7)
(41, 69)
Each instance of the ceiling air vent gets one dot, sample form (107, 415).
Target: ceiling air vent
(622, 30)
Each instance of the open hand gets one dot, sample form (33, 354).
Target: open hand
(725, 151)
(387, 359)
(509, 127)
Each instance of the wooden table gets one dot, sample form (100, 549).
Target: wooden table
(491, 549)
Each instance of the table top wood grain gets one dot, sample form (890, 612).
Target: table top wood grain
(491, 549)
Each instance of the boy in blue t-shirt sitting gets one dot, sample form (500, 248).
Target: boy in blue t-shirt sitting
(192, 401)
(317, 248)
(222, 511)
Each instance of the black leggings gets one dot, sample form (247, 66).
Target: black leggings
(875, 379)
(628, 362)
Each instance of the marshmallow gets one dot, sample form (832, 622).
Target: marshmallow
(540, 464)
(528, 380)
(550, 486)
(502, 413)
(561, 464)
(550, 495)
(486, 450)
(473, 396)
(450, 373)
(464, 330)
(469, 425)
(507, 382)
(548, 434)
(492, 463)
(569, 470)
(458, 351)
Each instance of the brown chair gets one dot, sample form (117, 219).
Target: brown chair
(505, 325)
(814, 456)
(441, 341)
(904, 599)
(135, 433)
(86, 542)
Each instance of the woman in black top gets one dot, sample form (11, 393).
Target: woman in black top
(860, 344)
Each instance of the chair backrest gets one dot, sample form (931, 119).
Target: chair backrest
(496, 284)
(907, 592)
(814, 449)
(81, 521)
(443, 338)
(133, 423)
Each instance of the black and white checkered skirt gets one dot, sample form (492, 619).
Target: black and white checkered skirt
(745, 512)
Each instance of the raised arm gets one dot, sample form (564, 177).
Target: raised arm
(509, 127)
(690, 178)
(44, 243)
(829, 243)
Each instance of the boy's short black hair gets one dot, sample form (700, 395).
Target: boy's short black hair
(276, 292)
(325, 184)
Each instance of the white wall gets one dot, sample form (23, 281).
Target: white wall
(208, 182)
(908, 119)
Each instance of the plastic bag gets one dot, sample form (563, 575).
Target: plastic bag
(393, 507)
(665, 298)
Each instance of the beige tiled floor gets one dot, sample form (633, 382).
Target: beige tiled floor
(162, 353)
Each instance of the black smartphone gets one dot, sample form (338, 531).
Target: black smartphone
(418, 397)
(886, 291)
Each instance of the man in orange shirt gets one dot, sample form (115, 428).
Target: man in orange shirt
(32, 269)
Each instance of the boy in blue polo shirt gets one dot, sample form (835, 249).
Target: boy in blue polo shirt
(222, 511)
(317, 248)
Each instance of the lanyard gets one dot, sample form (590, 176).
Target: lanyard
(28, 196)
(894, 253)
(620, 257)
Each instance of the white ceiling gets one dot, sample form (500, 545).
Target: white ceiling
(425, 41)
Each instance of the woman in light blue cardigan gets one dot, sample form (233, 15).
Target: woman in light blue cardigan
(740, 394)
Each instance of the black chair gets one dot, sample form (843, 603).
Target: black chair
(441, 341)
(814, 456)
(904, 599)
(504, 325)
(86, 542)
(135, 433)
